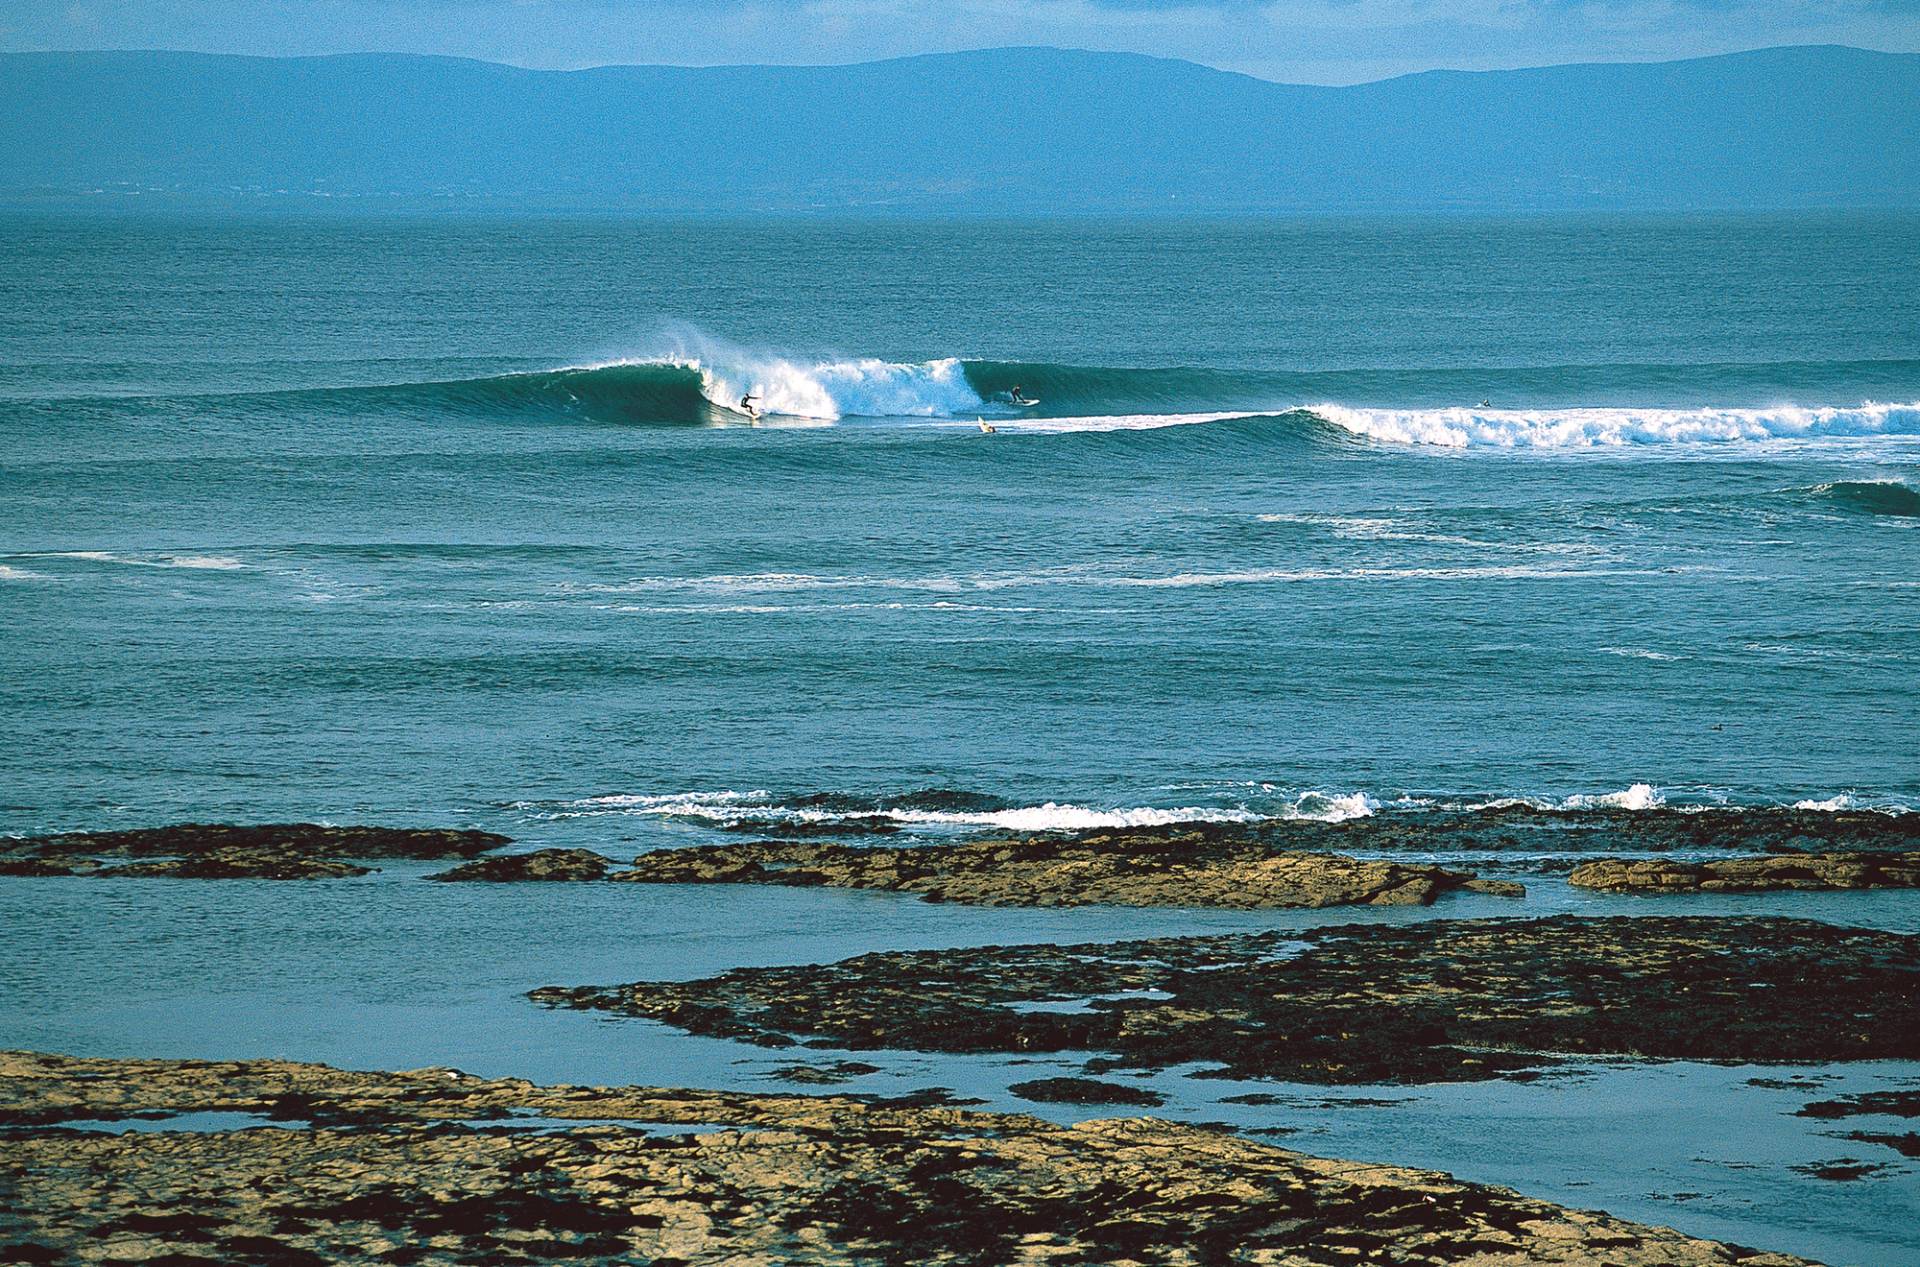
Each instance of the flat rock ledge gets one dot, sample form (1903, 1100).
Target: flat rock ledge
(432, 1167)
(1433, 1000)
(541, 865)
(1752, 875)
(1191, 869)
(225, 851)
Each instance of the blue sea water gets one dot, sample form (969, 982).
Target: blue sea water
(447, 518)
(453, 520)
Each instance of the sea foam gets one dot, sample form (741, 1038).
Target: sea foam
(1600, 428)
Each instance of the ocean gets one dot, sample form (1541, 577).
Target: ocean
(448, 518)
(455, 521)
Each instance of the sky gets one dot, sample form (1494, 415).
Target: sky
(1304, 41)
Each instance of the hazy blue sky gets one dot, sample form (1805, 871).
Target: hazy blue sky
(1325, 41)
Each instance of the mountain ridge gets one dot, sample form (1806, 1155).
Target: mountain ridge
(1019, 130)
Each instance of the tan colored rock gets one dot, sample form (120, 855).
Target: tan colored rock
(1767, 873)
(380, 1161)
(1200, 869)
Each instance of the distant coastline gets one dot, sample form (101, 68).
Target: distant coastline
(1013, 131)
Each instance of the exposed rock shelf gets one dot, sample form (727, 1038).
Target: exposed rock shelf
(433, 1168)
(221, 851)
(1752, 875)
(1428, 1001)
(1148, 869)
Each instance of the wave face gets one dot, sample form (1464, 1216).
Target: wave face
(1872, 497)
(696, 380)
(695, 392)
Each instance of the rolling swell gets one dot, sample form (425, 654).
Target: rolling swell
(1871, 497)
(1520, 407)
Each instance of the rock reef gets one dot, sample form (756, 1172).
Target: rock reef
(541, 865)
(1194, 868)
(224, 851)
(433, 1167)
(1520, 826)
(1752, 875)
(1436, 1000)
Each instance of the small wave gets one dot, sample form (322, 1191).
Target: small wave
(192, 562)
(955, 810)
(1639, 796)
(1375, 528)
(8, 573)
(1078, 423)
(1871, 497)
(773, 609)
(1850, 802)
(1640, 653)
(1603, 428)
(1084, 578)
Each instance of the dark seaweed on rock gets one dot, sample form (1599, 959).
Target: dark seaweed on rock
(1520, 826)
(1866, 1104)
(541, 865)
(185, 839)
(1433, 1001)
(1085, 1091)
(223, 851)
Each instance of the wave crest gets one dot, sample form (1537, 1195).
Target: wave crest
(1872, 497)
(1461, 428)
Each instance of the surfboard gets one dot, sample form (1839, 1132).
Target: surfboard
(1024, 404)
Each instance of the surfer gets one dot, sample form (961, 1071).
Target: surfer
(746, 405)
(986, 426)
(1016, 396)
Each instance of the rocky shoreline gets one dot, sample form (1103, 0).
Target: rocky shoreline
(1435, 1000)
(435, 1167)
(1258, 865)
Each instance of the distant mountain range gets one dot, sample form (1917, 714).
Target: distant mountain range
(1015, 130)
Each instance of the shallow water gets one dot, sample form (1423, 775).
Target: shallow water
(388, 971)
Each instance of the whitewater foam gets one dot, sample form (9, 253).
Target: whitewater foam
(1639, 796)
(1119, 422)
(192, 562)
(1596, 428)
(724, 807)
(1365, 528)
(822, 389)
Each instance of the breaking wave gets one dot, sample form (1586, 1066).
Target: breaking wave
(688, 378)
(951, 810)
(697, 392)
(944, 811)
(1463, 428)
